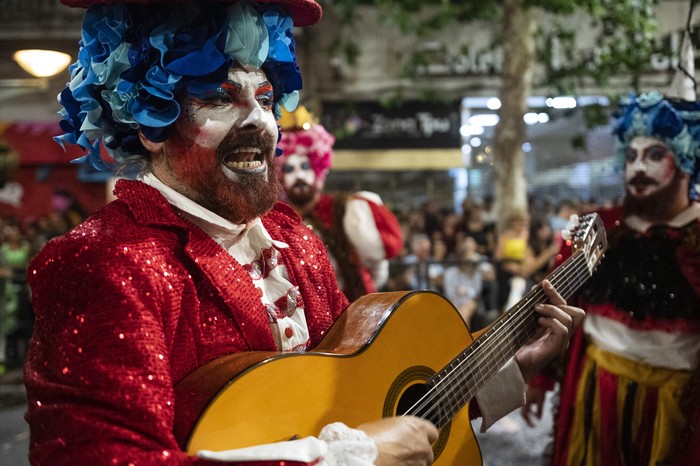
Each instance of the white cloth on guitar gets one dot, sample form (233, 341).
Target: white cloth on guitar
(337, 445)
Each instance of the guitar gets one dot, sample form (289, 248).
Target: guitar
(388, 354)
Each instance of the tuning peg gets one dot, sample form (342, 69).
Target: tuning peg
(574, 222)
(566, 235)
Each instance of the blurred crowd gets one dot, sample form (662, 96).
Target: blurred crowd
(481, 268)
(20, 240)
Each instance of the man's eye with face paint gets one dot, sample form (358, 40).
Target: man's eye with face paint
(656, 152)
(287, 169)
(222, 96)
(306, 165)
(265, 96)
(630, 155)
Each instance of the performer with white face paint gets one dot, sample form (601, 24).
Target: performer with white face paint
(631, 393)
(221, 153)
(360, 233)
(649, 166)
(195, 260)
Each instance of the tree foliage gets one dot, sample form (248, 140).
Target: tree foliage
(624, 44)
(625, 39)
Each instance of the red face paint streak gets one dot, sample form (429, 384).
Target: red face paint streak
(265, 88)
(226, 94)
(265, 95)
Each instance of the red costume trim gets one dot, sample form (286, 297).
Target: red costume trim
(609, 311)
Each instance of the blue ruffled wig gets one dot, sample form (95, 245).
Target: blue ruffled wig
(675, 122)
(137, 61)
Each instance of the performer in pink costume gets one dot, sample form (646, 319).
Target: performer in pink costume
(359, 231)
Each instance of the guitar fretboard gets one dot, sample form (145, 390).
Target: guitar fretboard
(451, 389)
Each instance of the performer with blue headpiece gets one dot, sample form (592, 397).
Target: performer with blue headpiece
(196, 260)
(630, 393)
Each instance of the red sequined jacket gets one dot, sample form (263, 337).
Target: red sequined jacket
(130, 302)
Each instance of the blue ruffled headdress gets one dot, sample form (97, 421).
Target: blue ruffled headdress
(675, 122)
(136, 61)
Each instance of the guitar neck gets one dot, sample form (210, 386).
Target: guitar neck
(452, 387)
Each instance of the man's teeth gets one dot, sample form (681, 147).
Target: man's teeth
(253, 150)
(249, 153)
(244, 165)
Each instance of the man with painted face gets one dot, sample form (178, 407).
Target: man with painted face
(630, 394)
(195, 260)
(359, 232)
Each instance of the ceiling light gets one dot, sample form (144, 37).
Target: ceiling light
(470, 130)
(42, 63)
(561, 102)
(483, 119)
(493, 103)
(530, 118)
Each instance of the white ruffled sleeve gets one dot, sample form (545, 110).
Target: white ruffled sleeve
(362, 232)
(361, 228)
(348, 447)
(337, 445)
(502, 394)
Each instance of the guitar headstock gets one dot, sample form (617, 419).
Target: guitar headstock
(589, 238)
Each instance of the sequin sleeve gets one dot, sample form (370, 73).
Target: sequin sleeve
(99, 370)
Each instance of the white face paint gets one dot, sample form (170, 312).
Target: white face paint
(296, 168)
(222, 147)
(243, 106)
(650, 166)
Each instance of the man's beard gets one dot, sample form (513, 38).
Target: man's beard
(245, 197)
(657, 206)
(301, 193)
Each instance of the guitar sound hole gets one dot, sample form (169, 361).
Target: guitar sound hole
(413, 403)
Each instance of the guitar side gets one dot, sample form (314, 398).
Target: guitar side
(372, 363)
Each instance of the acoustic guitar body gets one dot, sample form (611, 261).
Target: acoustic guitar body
(371, 364)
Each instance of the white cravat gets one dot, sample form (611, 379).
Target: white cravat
(252, 246)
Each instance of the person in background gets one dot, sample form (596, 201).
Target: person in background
(488, 208)
(399, 277)
(196, 259)
(542, 248)
(65, 203)
(475, 225)
(511, 246)
(360, 233)
(432, 217)
(15, 250)
(439, 256)
(630, 389)
(451, 234)
(423, 271)
(464, 282)
(560, 220)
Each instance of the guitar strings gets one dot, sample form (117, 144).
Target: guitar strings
(511, 316)
(512, 320)
(488, 347)
(519, 318)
